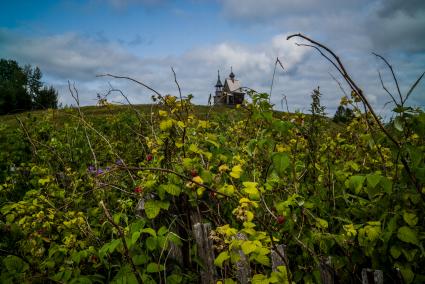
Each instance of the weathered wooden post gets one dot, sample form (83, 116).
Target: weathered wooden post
(371, 276)
(277, 257)
(327, 272)
(201, 233)
(243, 270)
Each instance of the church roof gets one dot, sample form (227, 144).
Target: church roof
(232, 85)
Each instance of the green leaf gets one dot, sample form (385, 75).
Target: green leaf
(14, 264)
(166, 124)
(407, 274)
(373, 180)
(151, 243)
(410, 254)
(162, 231)
(125, 276)
(163, 204)
(356, 183)
(408, 235)
(140, 259)
(172, 189)
(223, 256)
(229, 281)
(149, 231)
(250, 188)
(321, 223)
(174, 279)
(395, 251)
(134, 237)
(262, 259)
(410, 218)
(248, 247)
(152, 207)
(154, 267)
(281, 162)
(398, 123)
(259, 279)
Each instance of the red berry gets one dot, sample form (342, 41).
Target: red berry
(149, 157)
(280, 219)
(193, 173)
(138, 189)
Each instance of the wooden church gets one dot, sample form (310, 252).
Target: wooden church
(230, 93)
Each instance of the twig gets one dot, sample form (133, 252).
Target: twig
(131, 79)
(122, 236)
(274, 72)
(341, 69)
(75, 96)
(394, 77)
(385, 88)
(177, 174)
(338, 82)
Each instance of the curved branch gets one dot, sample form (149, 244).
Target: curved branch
(394, 77)
(366, 103)
(131, 79)
(177, 174)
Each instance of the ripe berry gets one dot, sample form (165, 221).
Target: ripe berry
(280, 219)
(149, 157)
(138, 189)
(193, 173)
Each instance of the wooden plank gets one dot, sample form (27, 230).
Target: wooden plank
(201, 233)
(243, 269)
(371, 276)
(327, 273)
(276, 258)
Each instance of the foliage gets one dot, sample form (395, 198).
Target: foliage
(111, 198)
(22, 89)
(343, 114)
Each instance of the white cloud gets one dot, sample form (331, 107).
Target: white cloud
(79, 59)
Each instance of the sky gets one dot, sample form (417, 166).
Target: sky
(77, 40)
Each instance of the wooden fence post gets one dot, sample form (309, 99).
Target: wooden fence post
(243, 270)
(371, 276)
(201, 233)
(276, 258)
(327, 272)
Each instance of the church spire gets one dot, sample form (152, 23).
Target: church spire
(231, 75)
(219, 84)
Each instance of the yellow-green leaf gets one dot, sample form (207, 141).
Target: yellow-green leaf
(223, 256)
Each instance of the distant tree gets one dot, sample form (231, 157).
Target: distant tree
(13, 95)
(22, 89)
(343, 115)
(47, 97)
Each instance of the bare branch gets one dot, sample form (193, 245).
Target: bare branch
(177, 174)
(339, 83)
(131, 79)
(385, 88)
(122, 236)
(413, 87)
(394, 77)
(356, 90)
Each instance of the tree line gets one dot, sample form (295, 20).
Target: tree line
(21, 88)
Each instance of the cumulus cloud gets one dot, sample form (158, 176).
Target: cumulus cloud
(397, 24)
(80, 58)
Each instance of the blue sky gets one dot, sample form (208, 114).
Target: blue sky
(76, 40)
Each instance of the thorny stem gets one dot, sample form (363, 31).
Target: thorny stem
(122, 236)
(341, 69)
(177, 174)
(131, 79)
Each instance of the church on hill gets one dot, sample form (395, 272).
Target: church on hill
(230, 93)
